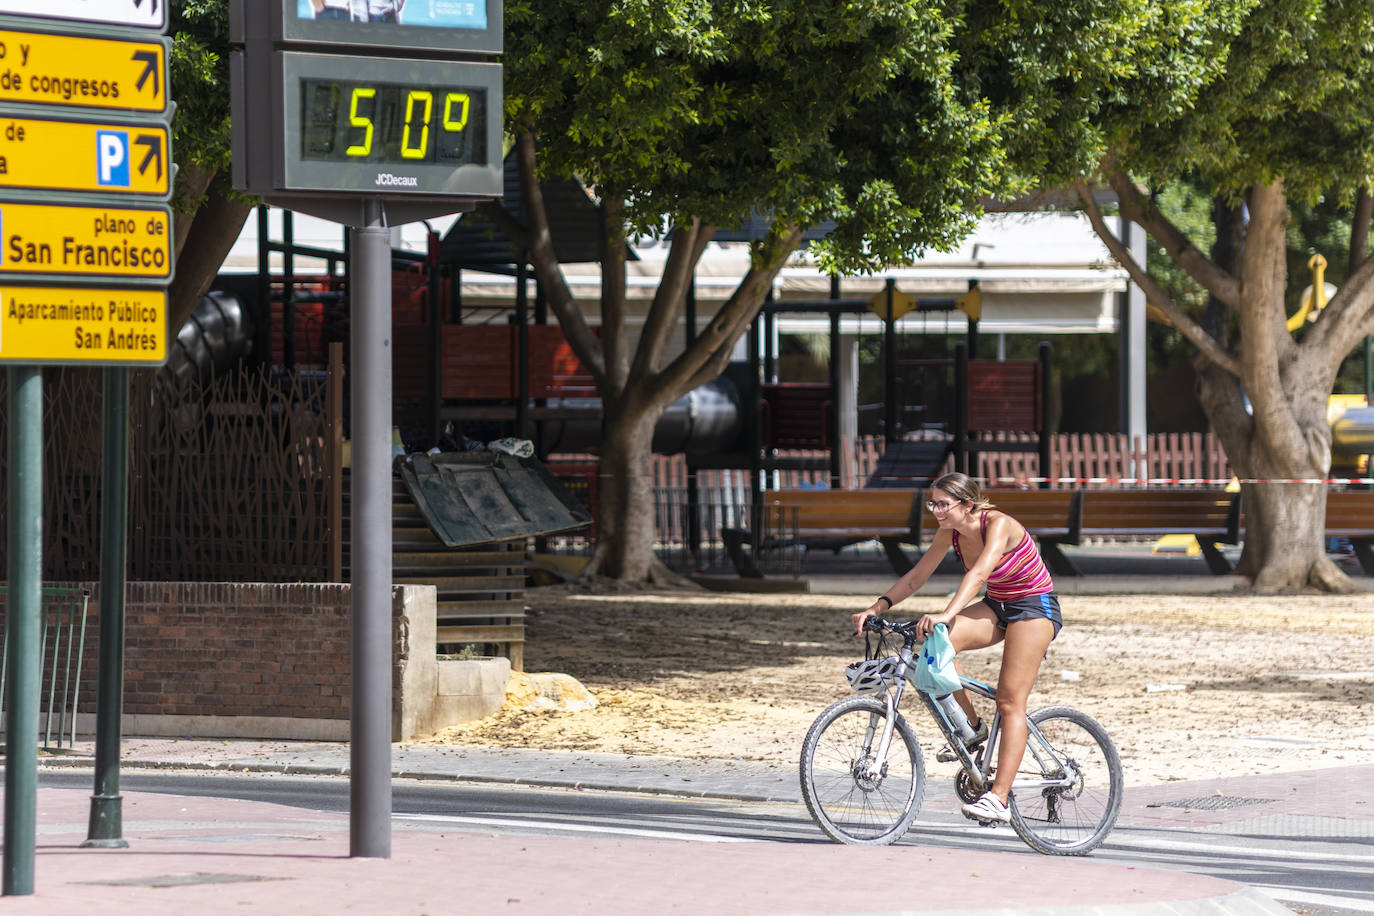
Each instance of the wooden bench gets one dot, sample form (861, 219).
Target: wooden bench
(1061, 517)
(1350, 514)
(1051, 517)
(1210, 516)
(829, 519)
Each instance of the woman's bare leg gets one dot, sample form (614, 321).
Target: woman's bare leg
(1025, 645)
(974, 628)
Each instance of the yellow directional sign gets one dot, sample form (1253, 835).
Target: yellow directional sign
(74, 71)
(77, 156)
(85, 241)
(89, 326)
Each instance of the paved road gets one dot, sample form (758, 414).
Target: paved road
(1314, 874)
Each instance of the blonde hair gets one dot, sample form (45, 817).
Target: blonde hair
(963, 488)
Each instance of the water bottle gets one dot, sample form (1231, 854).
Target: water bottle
(955, 713)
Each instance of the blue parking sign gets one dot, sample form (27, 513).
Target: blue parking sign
(112, 158)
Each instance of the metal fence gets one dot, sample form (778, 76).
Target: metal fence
(235, 479)
(62, 653)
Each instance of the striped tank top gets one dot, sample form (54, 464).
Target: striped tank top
(1020, 574)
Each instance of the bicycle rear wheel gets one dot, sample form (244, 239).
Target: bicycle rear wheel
(854, 797)
(1070, 820)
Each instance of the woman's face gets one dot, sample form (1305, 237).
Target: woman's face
(947, 510)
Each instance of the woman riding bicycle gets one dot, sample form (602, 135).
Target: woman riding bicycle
(1019, 609)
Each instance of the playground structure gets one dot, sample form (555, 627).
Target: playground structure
(513, 376)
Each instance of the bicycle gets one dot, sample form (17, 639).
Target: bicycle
(863, 775)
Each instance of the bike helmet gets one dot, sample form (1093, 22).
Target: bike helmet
(872, 675)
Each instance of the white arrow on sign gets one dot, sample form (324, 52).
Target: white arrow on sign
(143, 13)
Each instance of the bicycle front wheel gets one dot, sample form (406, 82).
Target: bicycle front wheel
(1067, 792)
(854, 796)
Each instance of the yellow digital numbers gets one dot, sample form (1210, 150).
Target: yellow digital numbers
(357, 120)
(426, 99)
(419, 115)
(451, 123)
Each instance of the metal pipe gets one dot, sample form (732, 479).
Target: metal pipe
(370, 725)
(24, 571)
(105, 829)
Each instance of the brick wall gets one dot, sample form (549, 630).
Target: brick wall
(244, 660)
(221, 649)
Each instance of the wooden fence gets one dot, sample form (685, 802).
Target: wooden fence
(1080, 457)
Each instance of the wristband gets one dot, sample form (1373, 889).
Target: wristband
(887, 599)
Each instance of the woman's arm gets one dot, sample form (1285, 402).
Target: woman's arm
(907, 585)
(998, 540)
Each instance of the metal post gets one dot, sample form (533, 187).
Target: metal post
(435, 294)
(106, 826)
(1369, 370)
(1131, 329)
(370, 748)
(24, 571)
(833, 424)
(1045, 433)
(288, 290)
(522, 347)
(889, 366)
(961, 443)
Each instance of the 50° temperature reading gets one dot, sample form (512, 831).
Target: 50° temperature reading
(395, 123)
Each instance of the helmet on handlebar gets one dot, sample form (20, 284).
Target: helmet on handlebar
(873, 675)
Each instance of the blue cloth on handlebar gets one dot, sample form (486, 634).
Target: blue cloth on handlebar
(935, 672)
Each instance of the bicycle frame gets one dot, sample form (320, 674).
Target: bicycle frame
(980, 772)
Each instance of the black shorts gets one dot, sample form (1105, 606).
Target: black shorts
(1034, 607)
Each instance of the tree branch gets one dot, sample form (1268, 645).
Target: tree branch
(711, 349)
(614, 341)
(545, 261)
(208, 237)
(1264, 322)
(668, 301)
(1359, 230)
(1206, 344)
(1136, 207)
(1348, 317)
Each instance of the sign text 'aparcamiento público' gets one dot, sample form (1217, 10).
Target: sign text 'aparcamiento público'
(74, 325)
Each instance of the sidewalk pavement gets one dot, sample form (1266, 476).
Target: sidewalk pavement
(220, 854)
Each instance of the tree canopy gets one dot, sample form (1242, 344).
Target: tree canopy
(1282, 120)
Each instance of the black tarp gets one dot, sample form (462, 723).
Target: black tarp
(472, 498)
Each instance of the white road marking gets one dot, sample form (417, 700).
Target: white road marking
(1125, 842)
(1288, 895)
(570, 828)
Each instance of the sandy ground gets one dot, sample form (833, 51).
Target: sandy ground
(1190, 687)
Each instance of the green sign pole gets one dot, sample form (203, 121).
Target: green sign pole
(24, 568)
(106, 824)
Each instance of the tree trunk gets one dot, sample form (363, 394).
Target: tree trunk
(625, 508)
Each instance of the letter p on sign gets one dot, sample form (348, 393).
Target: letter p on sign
(112, 158)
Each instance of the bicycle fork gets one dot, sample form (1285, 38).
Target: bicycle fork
(874, 766)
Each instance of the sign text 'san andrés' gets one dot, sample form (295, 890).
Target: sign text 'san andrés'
(70, 325)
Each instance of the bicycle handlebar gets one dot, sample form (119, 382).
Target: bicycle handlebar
(881, 625)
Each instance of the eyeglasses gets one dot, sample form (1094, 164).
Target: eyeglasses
(941, 506)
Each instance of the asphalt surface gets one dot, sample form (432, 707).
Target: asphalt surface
(191, 855)
(222, 854)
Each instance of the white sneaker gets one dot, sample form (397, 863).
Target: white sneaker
(988, 809)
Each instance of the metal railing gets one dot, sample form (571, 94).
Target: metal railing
(62, 650)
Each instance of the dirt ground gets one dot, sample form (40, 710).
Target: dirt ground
(1190, 687)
